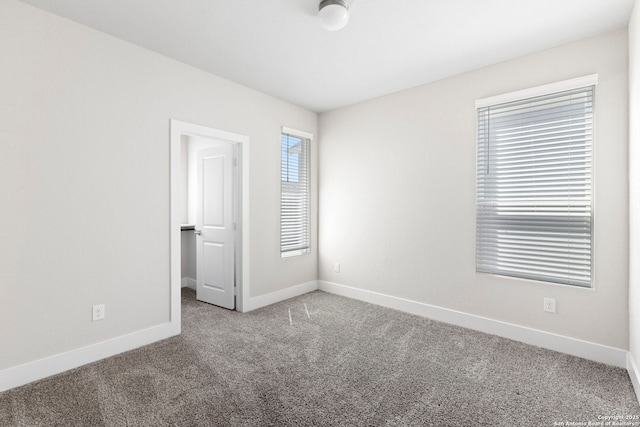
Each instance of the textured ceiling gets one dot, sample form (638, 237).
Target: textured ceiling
(278, 46)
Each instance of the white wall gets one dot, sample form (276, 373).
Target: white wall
(84, 167)
(397, 196)
(184, 179)
(188, 256)
(634, 181)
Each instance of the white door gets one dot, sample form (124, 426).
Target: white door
(215, 270)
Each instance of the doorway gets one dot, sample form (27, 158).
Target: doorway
(221, 155)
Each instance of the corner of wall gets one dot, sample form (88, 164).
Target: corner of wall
(634, 375)
(634, 189)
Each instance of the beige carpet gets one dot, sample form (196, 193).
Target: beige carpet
(324, 360)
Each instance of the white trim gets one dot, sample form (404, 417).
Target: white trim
(188, 282)
(284, 294)
(587, 350)
(297, 252)
(179, 128)
(634, 374)
(296, 132)
(39, 369)
(576, 83)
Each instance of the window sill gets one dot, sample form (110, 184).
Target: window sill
(294, 253)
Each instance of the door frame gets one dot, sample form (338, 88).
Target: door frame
(241, 196)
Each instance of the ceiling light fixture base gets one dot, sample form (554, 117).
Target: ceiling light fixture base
(333, 14)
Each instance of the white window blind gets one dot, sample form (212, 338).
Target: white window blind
(534, 188)
(294, 195)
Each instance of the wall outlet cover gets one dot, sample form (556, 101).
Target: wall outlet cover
(549, 305)
(98, 312)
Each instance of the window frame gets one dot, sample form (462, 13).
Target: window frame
(585, 82)
(305, 239)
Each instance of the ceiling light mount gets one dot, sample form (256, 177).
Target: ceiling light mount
(333, 14)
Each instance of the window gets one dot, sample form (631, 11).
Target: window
(294, 193)
(534, 184)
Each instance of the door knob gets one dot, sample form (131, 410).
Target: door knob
(197, 231)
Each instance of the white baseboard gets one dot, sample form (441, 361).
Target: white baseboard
(188, 282)
(634, 374)
(587, 350)
(284, 294)
(32, 371)
(39, 369)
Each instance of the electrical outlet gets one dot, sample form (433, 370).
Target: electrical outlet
(549, 305)
(98, 312)
(336, 267)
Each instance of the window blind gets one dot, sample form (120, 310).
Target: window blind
(534, 188)
(294, 195)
